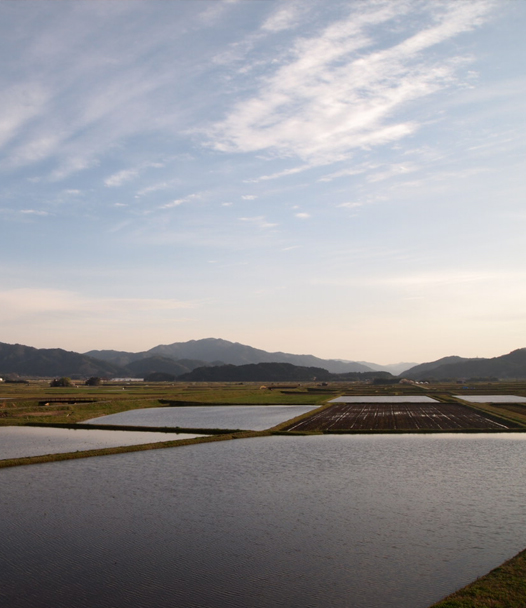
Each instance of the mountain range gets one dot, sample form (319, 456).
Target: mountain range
(183, 357)
(46, 362)
(215, 351)
(174, 359)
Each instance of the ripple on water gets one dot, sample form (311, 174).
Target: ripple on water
(22, 441)
(346, 521)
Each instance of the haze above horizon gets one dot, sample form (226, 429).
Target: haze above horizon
(341, 179)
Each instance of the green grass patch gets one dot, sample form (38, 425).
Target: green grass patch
(504, 587)
(37, 402)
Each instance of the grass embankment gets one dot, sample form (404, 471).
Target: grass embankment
(504, 587)
(15, 462)
(37, 402)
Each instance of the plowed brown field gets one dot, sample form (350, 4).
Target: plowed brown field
(407, 417)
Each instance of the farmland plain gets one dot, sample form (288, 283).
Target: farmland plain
(35, 403)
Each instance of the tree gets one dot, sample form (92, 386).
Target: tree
(64, 381)
(93, 381)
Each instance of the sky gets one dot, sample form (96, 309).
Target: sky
(343, 179)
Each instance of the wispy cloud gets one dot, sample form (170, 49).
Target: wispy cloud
(284, 173)
(20, 104)
(33, 212)
(426, 280)
(119, 178)
(126, 175)
(180, 201)
(165, 185)
(337, 93)
(100, 88)
(215, 11)
(350, 205)
(258, 221)
(284, 18)
(393, 171)
(20, 303)
(438, 278)
(355, 170)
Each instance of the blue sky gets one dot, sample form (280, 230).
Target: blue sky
(344, 179)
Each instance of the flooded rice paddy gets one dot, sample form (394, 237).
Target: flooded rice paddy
(341, 521)
(244, 417)
(22, 441)
(492, 398)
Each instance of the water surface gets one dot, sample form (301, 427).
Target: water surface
(21, 441)
(321, 521)
(492, 398)
(243, 417)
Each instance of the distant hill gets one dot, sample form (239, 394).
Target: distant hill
(510, 366)
(212, 350)
(274, 372)
(257, 372)
(424, 368)
(29, 361)
(149, 365)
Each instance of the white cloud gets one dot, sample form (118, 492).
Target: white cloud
(173, 204)
(350, 205)
(157, 187)
(20, 104)
(33, 212)
(284, 18)
(303, 216)
(101, 85)
(393, 171)
(180, 201)
(21, 303)
(279, 174)
(249, 197)
(291, 248)
(258, 221)
(334, 95)
(429, 280)
(119, 178)
(343, 173)
(215, 11)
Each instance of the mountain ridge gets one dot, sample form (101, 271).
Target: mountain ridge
(210, 350)
(510, 366)
(48, 362)
(176, 359)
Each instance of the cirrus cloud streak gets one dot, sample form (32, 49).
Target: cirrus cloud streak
(337, 92)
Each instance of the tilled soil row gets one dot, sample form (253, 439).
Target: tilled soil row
(387, 416)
